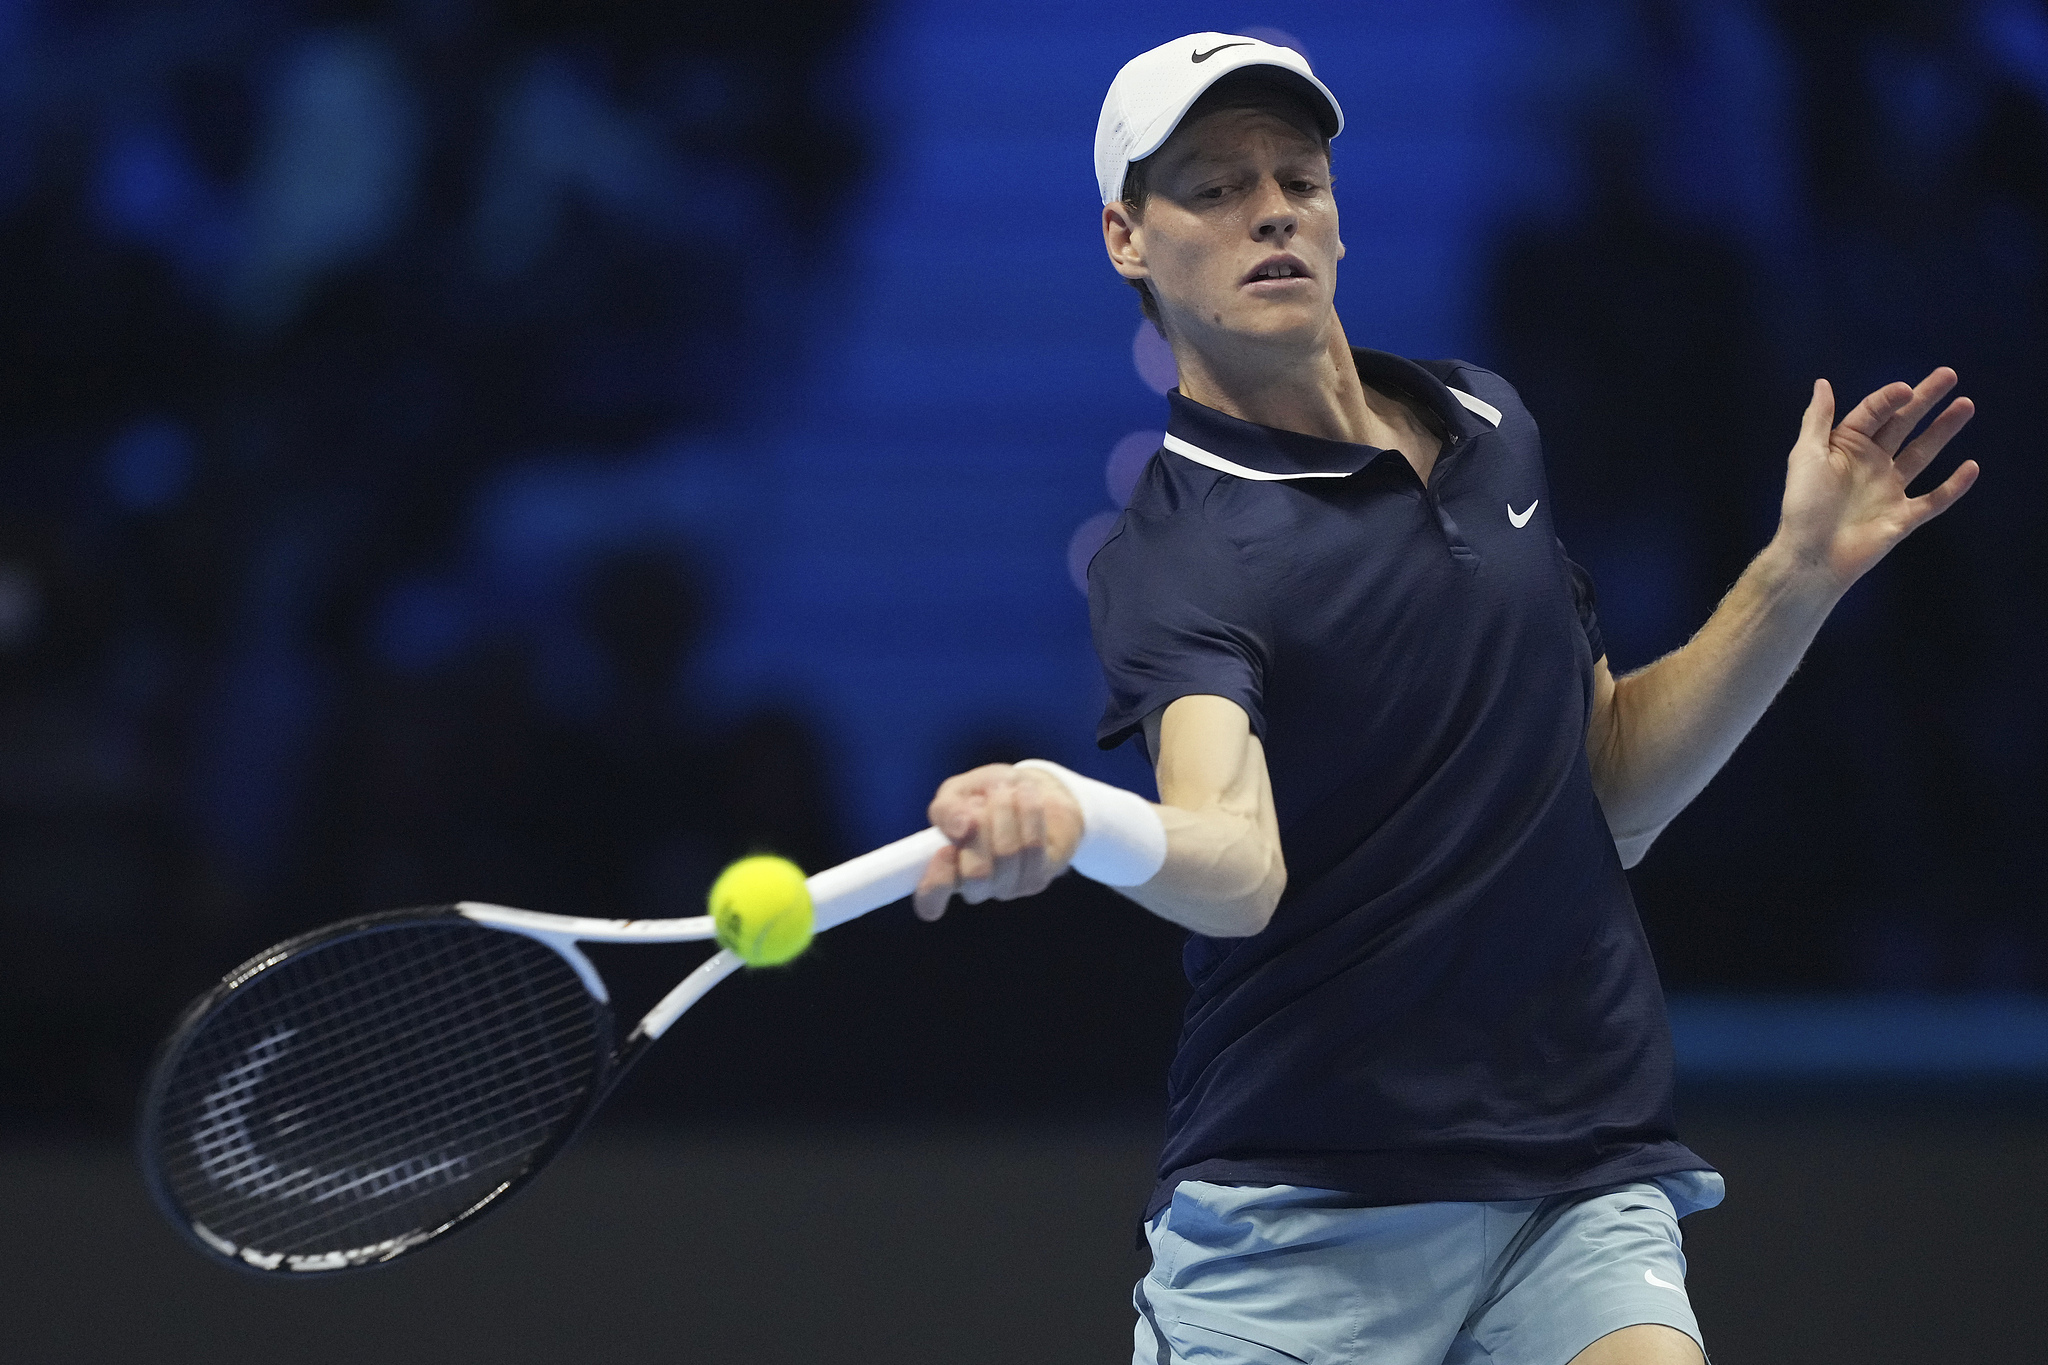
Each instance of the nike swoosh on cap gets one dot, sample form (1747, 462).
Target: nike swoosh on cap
(1205, 56)
(1651, 1276)
(1520, 519)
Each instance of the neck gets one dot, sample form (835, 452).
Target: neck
(1312, 389)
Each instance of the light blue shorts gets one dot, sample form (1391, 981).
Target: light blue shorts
(1268, 1274)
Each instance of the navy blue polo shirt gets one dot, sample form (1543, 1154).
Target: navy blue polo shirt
(1454, 999)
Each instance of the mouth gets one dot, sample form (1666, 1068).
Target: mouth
(1277, 268)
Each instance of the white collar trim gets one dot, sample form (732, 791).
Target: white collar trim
(1194, 452)
(1478, 405)
(1190, 450)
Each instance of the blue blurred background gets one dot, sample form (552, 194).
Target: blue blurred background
(537, 451)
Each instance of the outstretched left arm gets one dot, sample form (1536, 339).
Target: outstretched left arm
(1659, 734)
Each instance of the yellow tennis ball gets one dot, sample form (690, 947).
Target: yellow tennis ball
(762, 910)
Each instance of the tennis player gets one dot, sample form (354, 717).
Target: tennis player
(1421, 1110)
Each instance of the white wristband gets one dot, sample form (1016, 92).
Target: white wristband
(1122, 841)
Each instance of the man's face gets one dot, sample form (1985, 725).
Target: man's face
(1239, 237)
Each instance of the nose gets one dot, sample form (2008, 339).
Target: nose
(1274, 218)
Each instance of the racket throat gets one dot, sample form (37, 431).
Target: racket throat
(687, 992)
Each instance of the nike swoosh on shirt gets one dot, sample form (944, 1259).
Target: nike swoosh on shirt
(1651, 1276)
(1205, 56)
(1520, 519)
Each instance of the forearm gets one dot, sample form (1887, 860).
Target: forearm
(1671, 726)
(1659, 735)
(1207, 856)
(1222, 876)
(1224, 871)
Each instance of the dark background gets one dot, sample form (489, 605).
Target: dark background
(536, 452)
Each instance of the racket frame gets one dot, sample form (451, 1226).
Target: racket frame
(838, 894)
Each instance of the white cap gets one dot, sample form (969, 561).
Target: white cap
(1150, 95)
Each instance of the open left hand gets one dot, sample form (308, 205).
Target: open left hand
(1845, 486)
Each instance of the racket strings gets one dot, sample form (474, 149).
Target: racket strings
(400, 1167)
(443, 1105)
(422, 1053)
(439, 1068)
(373, 1088)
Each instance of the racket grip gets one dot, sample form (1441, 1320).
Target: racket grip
(872, 880)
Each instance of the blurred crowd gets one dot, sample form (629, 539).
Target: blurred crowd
(282, 285)
(287, 287)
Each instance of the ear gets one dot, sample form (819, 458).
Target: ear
(1123, 237)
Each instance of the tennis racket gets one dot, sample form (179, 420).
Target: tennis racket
(353, 1094)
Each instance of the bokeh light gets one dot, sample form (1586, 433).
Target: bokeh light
(1154, 359)
(149, 464)
(1088, 537)
(1127, 461)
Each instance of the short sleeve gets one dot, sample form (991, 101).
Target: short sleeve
(1588, 604)
(1175, 614)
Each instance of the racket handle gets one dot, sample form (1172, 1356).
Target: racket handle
(872, 880)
